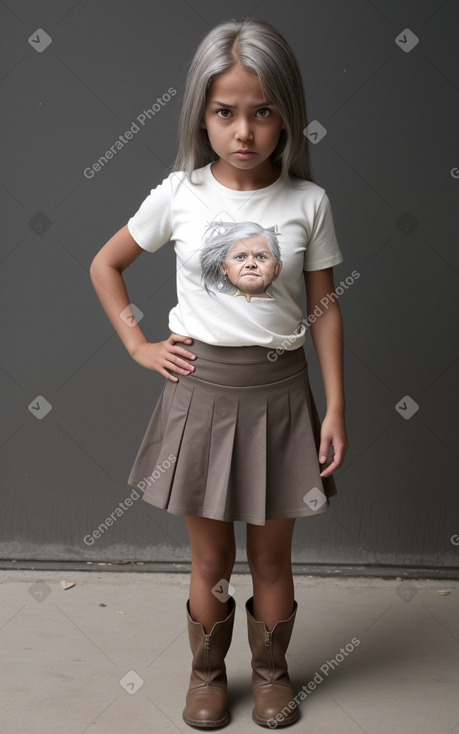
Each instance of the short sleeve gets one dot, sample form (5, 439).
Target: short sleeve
(322, 250)
(151, 225)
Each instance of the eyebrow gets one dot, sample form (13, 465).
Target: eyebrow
(234, 106)
(261, 252)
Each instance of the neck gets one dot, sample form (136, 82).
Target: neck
(240, 180)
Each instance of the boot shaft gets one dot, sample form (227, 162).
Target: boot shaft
(206, 699)
(209, 650)
(269, 647)
(271, 686)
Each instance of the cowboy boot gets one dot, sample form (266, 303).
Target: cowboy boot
(206, 697)
(271, 686)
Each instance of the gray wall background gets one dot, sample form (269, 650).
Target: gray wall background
(390, 165)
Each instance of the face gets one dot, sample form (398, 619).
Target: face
(250, 265)
(238, 117)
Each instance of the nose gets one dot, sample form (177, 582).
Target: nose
(250, 262)
(243, 130)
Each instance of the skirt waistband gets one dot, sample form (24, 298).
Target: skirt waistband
(242, 366)
(240, 355)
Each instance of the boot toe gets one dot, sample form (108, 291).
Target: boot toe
(201, 711)
(272, 705)
(206, 718)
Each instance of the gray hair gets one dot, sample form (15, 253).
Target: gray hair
(219, 238)
(262, 50)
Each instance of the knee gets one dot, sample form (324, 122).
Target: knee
(214, 564)
(269, 567)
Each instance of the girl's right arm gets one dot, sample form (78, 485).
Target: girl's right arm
(105, 271)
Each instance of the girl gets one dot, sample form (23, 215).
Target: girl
(235, 434)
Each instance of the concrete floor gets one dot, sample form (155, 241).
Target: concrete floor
(111, 655)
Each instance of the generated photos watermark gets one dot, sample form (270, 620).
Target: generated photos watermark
(315, 499)
(223, 589)
(123, 506)
(156, 473)
(316, 680)
(129, 134)
(325, 302)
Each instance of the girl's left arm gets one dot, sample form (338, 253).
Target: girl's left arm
(326, 326)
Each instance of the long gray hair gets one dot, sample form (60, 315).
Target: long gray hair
(262, 50)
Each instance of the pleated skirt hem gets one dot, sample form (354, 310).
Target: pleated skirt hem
(230, 517)
(236, 440)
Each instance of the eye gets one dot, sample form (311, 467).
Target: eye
(223, 116)
(261, 256)
(265, 112)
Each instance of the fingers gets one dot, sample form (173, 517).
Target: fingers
(175, 357)
(175, 369)
(336, 454)
(179, 365)
(167, 375)
(174, 338)
(180, 338)
(325, 448)
(330, 468)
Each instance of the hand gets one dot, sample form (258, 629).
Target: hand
(332, 433)
(166, 355)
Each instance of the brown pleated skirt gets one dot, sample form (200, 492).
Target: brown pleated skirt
(237, 439)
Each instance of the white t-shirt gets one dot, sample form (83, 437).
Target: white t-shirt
(240, 255)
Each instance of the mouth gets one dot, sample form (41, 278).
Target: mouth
(244, 153)
(250, 275)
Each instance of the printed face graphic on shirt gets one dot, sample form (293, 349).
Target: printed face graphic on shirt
(240, 259)
(251, 267)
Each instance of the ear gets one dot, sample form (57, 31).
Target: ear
(222, 268)
(277, 270)
(202, 125)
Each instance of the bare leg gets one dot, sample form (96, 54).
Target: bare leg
(269, 549)
(213, 552)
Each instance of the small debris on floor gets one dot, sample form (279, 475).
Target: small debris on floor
(68, 584)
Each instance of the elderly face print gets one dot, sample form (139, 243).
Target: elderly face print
(240, 259)
(251, 267)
